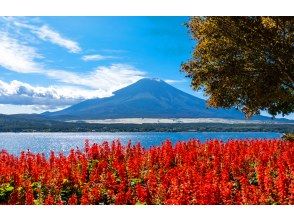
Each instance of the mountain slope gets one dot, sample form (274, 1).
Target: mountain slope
(147, 98)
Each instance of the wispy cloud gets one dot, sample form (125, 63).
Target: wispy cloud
(46, 33)
(96, 57)
(18, 57)
(175, 81)
(106, 78)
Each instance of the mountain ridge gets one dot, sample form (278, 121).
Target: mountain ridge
(147, 98)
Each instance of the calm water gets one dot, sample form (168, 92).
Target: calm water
(62, 142)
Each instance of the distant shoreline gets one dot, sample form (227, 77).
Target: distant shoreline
(32, 123)
(176, 121)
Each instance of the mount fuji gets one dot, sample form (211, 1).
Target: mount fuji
(147, 98)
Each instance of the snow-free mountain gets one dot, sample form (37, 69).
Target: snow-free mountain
(147, 98)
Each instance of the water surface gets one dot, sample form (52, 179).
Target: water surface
(63, 142)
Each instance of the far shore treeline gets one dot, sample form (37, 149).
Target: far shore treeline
(19, 124)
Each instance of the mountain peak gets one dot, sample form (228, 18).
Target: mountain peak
(146, 98)
(153, 85)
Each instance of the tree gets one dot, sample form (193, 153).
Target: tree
(244, 62)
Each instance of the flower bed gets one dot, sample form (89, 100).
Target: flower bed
(214, 172)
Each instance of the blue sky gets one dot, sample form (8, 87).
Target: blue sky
(49, 63)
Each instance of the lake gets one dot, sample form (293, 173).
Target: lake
(63, 142)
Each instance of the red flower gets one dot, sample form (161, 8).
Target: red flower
(49, 200)
(73, 200)
(214, 172)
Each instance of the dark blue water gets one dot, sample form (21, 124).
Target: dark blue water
(63, 142)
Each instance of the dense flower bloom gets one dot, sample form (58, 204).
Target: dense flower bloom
(191, 172)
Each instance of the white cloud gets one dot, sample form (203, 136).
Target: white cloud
(20, 93)
(23, 59)
(100, 83)
(115, 76)
(174, 81)
(46, 33)
(21, 109)
(9, 109)
(105, 78)
(17, 57)
(96, 57)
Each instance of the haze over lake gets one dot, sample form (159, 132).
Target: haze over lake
(63, 142)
